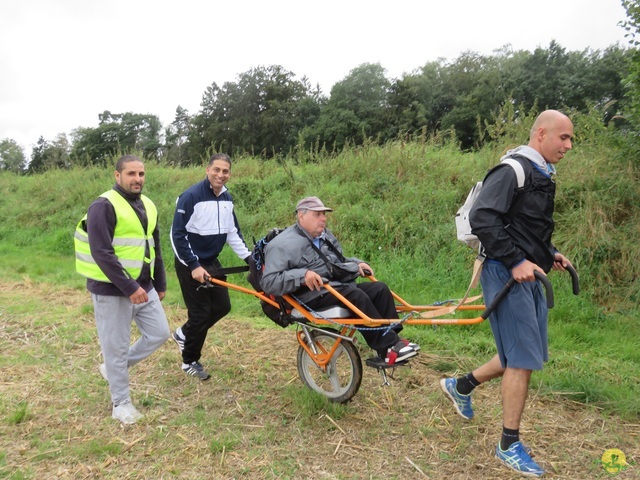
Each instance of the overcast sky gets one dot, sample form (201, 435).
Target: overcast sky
(65, 61)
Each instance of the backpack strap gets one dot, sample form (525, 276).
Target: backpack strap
(322, 255)
(477, 266)
(335, 250)
(331, 246)
(230, 270)
(475, 276)
(517, 168)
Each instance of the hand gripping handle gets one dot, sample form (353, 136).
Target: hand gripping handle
(503, 293)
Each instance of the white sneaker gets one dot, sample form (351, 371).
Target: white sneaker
(103, 371)
(126, 413)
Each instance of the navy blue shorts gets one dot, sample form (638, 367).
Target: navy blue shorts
(519, 323)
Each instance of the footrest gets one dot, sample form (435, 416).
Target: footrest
(379, 364)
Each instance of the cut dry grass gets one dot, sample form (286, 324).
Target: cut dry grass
(254, 419)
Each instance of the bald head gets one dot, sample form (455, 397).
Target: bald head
(551, 135)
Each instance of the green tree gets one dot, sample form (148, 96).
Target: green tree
(47, 155)
(357, 108)
(418, 101)
(632, 81)
(605, 77)
(263, 111)
(475, 88)
(37, 163)
(555, 78)
(542, 78)
(12, 156)
(471, 91)
(117, 133)
(176, 137)
(58, 154)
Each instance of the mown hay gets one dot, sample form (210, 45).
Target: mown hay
(254, 419)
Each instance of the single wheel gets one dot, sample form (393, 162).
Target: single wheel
(342, 376)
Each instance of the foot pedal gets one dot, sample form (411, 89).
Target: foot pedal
(379, 364)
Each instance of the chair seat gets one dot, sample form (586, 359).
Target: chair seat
(330, 312)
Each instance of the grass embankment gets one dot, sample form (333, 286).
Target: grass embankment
(394, 206)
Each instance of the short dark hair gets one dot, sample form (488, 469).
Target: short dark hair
(220, 156)
(126, 159)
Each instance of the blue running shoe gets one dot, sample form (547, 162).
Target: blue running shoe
(462, 403)
(517, 458)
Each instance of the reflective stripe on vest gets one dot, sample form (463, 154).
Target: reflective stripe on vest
(129, 239)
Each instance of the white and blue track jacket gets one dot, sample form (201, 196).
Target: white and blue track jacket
(202, 224)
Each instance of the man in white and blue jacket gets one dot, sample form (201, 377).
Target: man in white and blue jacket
(203, 222)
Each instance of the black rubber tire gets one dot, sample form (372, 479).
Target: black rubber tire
(342, 379)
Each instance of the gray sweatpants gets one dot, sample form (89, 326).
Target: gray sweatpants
(113, 321)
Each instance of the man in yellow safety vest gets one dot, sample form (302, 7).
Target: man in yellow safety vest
(118, 249)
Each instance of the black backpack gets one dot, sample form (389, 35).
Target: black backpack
(256, 268)
(256, 265)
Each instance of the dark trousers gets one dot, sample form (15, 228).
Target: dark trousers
(204, 308)
(376, 301)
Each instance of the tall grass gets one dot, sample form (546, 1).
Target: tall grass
(394, 206)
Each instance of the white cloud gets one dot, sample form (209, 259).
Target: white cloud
(65, 61)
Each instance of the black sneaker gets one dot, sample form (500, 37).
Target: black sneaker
(178, 339)
(400, 351)
(195, 369)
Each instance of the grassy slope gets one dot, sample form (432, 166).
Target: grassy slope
(394, 206)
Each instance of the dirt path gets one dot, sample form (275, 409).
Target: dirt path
(255, 419)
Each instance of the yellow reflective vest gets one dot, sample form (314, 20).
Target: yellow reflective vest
(129, 239)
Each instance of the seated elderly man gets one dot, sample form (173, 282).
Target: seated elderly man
(306, 254)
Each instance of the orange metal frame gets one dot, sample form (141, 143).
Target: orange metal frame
(415, 314)
(423, 314)
(323, 357)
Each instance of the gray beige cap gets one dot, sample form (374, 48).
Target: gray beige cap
(312, 203)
